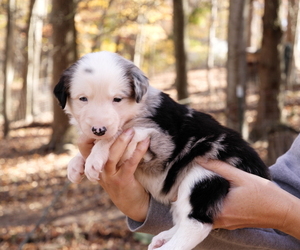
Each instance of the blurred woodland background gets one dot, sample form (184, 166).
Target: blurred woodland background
(238, 60)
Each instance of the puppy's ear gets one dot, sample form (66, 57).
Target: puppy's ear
(139, 83)
(61, 90)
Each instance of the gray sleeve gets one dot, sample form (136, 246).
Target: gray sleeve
(285, 172)
(158, 219)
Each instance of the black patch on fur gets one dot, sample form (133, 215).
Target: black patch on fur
(175, 120)
(88, 70)
(136, 78)
(206, 196)
(62, 88)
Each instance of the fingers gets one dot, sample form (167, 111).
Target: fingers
(117, 150)
(132, 163)
(222, 168)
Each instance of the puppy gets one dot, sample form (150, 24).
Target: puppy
(104, 94)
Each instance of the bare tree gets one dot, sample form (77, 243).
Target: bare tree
(211, 39)
(290, 56)
(236, 65)
(32, 55)
(23, 99)
(268, 111)
(64, 54)
(179, 25)
(8, 67)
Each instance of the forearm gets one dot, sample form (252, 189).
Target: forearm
(134, 204)
(292, 223)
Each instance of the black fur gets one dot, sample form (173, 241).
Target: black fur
(137, 80)
(173, 118)
(206, 196)
(62, 88)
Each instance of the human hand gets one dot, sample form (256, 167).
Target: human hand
(254, 202)
(119, 180)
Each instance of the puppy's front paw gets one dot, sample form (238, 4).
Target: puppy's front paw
(156, 244)
(93, 167)
(159, 241)
(76, 169)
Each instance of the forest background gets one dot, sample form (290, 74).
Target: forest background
(237, 60)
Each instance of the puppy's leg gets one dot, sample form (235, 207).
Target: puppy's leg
(96, 160)
(199, 198)
(162, 238)
(187, 237)
(76, 169)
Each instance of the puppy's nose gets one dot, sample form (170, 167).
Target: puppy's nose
(99, 131)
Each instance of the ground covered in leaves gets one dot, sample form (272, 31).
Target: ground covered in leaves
(40, 209)
(40, 206)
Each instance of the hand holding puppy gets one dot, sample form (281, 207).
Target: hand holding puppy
(254, 202)
(119, 181)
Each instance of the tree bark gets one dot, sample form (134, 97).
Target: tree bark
(34, 48)
(64, 54)
(23, 103)
(236, 66)
(211, 43)
(8, 67)
(268, 111)
(290, 56)
(179, 24)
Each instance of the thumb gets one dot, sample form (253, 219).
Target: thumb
(223, 169)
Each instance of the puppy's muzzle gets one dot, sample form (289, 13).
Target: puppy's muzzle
(99, 131)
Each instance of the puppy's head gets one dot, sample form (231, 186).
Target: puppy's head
(101, 91)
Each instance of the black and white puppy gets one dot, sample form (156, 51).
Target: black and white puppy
(105, 94)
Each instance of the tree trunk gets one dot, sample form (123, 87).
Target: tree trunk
(179, 24)
(23, 104)
(280, 139)
(139, 41)
(268, 112)
(211, 39)
(35, 34)
(64, 54)
(236, 66)
(290, 56)
(8, 66)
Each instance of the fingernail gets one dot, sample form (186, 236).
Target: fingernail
(147, 140)
(128, 132)
(202, 160)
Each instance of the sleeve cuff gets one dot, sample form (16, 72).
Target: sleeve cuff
(159, 218)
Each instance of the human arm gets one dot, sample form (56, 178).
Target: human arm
(255, 202)
(119, 181)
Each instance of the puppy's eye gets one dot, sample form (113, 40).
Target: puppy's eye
(83, 99)
(116, 99)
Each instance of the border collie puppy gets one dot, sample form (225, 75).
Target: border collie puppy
(104, 94)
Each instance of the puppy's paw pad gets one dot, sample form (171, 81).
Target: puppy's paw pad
(156, 243)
